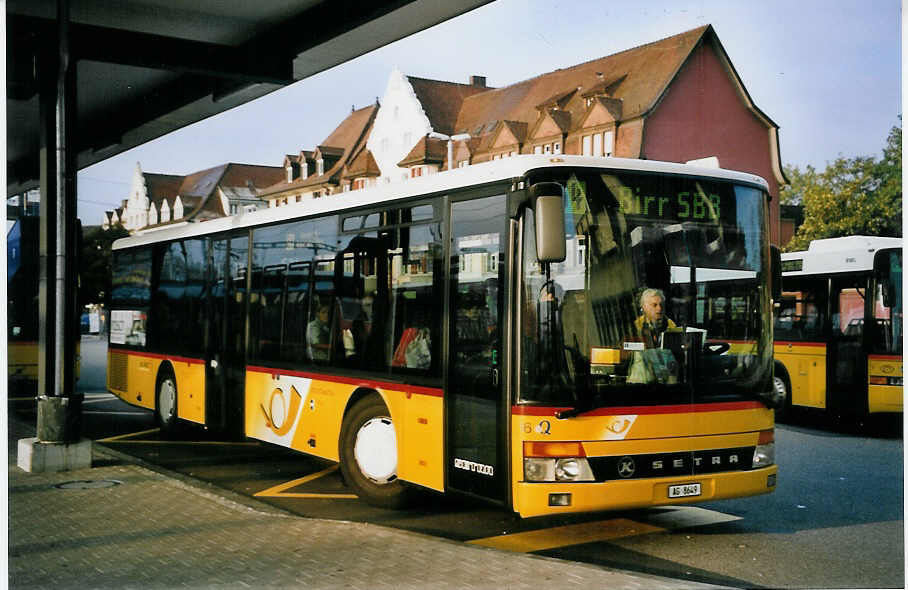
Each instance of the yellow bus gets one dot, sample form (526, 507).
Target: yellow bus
(472, 331)
(22, 309)
(838, 328)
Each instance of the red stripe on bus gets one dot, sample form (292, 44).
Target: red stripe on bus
(637, 410)
(432, 391)
(162, 357)
(884, 357)
(793, 343)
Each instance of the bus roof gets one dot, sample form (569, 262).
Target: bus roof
(831, 255)
(474, 175)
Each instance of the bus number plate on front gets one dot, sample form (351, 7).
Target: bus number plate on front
(684, 490)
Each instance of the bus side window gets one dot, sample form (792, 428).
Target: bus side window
(417, 310)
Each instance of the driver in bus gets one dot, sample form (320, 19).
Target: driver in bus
(653, 321)
(653, 364)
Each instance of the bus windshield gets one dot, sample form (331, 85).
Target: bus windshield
(661, 299)
(887, 304)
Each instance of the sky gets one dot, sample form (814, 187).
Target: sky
(828, 73)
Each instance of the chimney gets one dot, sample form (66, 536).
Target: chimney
(478, 81)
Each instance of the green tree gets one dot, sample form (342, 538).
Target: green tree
(852, 196)
(94, 263)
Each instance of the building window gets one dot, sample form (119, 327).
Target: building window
(359, 184)
(320, 166)
(597, 144)
(557, 147)
(415, 171)
(537, 149)
(317, 195)
(587, 146)
(608, 143)
(463, 163)
(305, 170)
(547, 149)
(289, 173)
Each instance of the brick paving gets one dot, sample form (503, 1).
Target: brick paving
(155, 531)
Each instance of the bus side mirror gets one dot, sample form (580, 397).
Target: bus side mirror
(775, 264)
(547, 199)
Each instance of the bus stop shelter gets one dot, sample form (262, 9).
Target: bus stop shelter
(88, 79)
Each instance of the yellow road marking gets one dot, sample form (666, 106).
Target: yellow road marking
(563, 536)
(122, 437)
(278, 490)
(219, 443)
(131, 439)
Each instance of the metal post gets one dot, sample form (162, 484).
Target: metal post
(59, 409)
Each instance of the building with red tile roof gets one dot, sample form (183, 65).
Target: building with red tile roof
(678, 99)
(157, 200)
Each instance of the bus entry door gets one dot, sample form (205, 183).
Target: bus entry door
(225, 355)
(476, 409)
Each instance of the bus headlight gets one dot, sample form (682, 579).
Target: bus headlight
(764, 455)
(551, 469)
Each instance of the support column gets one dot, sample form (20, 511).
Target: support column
(57, 445)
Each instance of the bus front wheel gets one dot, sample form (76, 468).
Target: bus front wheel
(166, 402)
(368, 454)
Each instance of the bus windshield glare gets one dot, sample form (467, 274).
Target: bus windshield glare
(694, 248)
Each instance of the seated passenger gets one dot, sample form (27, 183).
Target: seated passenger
(318, 335)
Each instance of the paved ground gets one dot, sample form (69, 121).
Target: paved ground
(149, 529)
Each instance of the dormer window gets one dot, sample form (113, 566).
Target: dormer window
(289, 173)
(320, 166)
(305, 170)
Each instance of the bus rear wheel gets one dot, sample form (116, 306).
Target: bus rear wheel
(368, 454)
(166, 402)
(782, 390)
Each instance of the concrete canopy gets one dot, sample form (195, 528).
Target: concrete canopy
(145, 68)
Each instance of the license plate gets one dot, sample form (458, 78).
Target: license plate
(684, 490)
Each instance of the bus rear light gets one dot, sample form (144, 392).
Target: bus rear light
(553, 449)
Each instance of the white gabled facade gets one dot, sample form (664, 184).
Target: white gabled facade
(399, 124)
(135, 208)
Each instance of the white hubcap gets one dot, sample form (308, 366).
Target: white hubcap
(167, 399)
(375, 450)
(781, 391)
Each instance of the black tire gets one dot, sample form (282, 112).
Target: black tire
(165, 408)
(781, 385)
(368, 455)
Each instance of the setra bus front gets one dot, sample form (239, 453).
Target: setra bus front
(644, 363)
